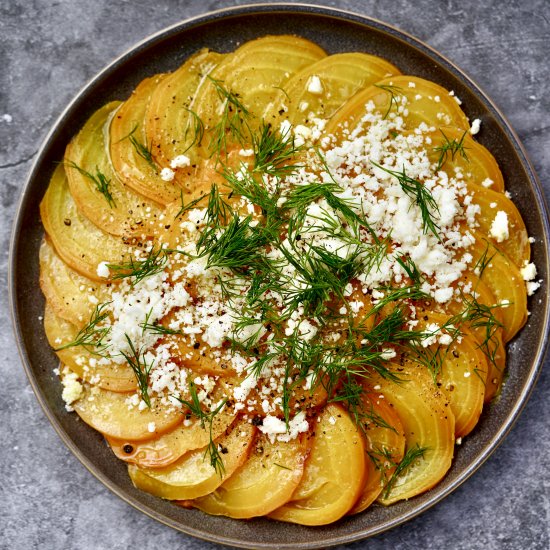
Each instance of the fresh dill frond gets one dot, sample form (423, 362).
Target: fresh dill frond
(136, 270)
(351, 395)
(411, 269)
(281, 466)
(244, 183)
(451, 147)
(237, 247)
(142, 369)
(483, 261)
(383, 460)
(195, 125)
(92, 336)
(101, 181)
(144, 150)
(421, 196)
(274, 151)
(395, 92)
(396, 295)
(155, 328)
(233, 121)
(480, 318)
(185, 207)
(206, 418)
(411, 456)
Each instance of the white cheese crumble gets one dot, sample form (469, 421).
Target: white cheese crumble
(476, 126)
(72, 389)
(276, 428)
(314, 85)
(103, 270)
(166, 174)
(181, 161)
(499, 228)
(528, 271)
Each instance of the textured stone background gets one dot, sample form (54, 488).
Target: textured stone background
(48, 50)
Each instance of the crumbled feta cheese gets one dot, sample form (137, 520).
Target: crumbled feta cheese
(314, 85)
(103, 270)
(181, 161)
(72, 389)
(476, 125)
(167, 174)
(532, 287)
(528, 271)
(499, 228)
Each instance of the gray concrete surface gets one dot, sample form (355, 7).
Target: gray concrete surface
(48, 49)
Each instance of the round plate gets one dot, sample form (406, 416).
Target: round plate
(336, 31)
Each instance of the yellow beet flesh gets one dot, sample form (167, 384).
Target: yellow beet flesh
(428, 422)
(334, 473)
(108, 413)
(170, 446)
(193, 476)
(265, 482)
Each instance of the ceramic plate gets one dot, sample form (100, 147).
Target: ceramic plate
(335, 31)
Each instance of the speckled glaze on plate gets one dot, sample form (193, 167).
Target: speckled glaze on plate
(224, 30)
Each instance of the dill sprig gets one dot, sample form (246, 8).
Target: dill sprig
(421, 196)
(233, 121)
(351, 394)
(101, 181)
(144, 150)
(383, 460)
(136, 358)
(411, 456)
(185, 207)
(451, 147)
(195, 125)
(398, 294)
(136, 270)
(274, 151)
(245, 184)
(237, 247)
(483, 261)
(92, 336)
(411, 269)
(155, 328)
(395, 92)
(196, 409)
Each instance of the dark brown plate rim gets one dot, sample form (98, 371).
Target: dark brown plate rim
(331, 535)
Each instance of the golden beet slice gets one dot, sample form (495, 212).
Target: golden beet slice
(116, 209)
(482, 316)
(459, 367)
(334, 474)
(131, 151)
(265, 481)
(414, 99)
(193, 475)
(455, 149)
(505, 281)
(109, 413)
(88, 366)
(170, 446)
(71, 295)
(515, 244)
(244, 85)
(321, 88)
(429, 425)
(171, 127)
(79, 243)
(385, 446)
